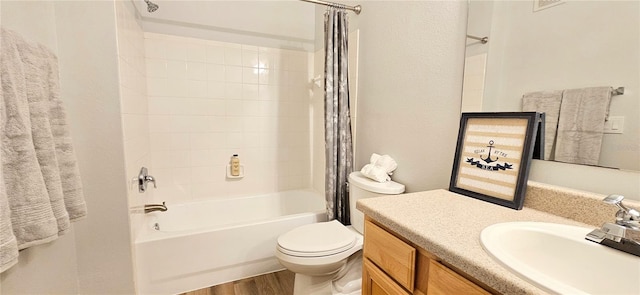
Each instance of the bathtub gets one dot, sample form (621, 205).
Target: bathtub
(200, 244)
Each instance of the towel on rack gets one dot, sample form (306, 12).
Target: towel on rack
(39, 170)
(32, 216)
(36, 62)
(547, 102)
(581, 124)
(55, 130)
(8, 242)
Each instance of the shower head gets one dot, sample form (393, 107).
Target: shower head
(151, 7)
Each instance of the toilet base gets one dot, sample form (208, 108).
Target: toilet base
(347, 281)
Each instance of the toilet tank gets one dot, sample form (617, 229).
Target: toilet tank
(361, 187)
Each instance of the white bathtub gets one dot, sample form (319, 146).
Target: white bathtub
(202, 244)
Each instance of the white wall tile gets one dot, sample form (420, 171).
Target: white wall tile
(216, 89)
(233, 74)
(250, 75)
(176, 69)
(250, 92)
(250, 58)
(215, 72)
(197, 88)
(233, 56)
(209, 100)
(197, 71)
(156, 68)
(215, 55)
(196, 52)
(176, 50)
(233, 91)
(157, 86)
(154, 48)
(176, 87)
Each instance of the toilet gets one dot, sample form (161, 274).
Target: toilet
(326, 257)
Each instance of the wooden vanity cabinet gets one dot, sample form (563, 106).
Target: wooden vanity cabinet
(394, 266)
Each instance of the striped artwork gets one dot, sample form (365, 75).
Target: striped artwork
(491, 156)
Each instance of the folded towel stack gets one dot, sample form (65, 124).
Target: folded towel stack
(379, 168)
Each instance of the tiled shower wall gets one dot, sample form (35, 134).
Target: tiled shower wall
(209, 100)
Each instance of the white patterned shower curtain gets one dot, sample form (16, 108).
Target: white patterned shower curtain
(338, 145)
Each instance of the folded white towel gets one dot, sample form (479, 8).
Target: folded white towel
(385, 162)
(376, 173)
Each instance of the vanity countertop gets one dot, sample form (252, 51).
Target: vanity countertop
(449, 225)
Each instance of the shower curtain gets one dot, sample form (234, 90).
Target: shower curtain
(338, 146)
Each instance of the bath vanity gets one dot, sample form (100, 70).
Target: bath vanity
(429, 242)
(393, 265)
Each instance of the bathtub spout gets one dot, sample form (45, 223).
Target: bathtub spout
(155, 207)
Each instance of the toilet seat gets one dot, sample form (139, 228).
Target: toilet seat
(317, 240)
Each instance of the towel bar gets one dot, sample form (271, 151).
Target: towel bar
(618, 91)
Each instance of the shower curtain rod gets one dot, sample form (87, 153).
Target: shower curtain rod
(355, 9)
(482, 40)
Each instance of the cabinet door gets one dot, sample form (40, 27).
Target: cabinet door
(391, 254)
(443, 281)
(376, 282)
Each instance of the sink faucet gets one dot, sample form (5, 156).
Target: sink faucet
(155, 207)
(624, 234)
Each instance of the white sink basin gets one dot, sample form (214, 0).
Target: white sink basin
(557, 258)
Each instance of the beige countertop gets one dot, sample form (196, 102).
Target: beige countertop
(449, 225)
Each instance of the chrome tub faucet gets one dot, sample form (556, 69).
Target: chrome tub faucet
(144, 178)
(624, 234)
(155, 207)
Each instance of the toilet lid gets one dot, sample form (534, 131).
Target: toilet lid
(317, 239)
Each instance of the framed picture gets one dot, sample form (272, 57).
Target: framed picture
(493, 155)
(544, 4)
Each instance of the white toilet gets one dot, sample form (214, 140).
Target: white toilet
(326, 257)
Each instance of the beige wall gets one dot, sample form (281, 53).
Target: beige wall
(95, 257)
(571, 49)
(409, 86)
(90, 86)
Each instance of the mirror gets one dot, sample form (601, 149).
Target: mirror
(537, 45)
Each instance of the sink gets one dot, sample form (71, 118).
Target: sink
(556, 258)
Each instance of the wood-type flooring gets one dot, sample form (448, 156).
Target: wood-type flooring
(277, 283)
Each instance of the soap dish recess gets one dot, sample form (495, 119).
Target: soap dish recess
(241, 175)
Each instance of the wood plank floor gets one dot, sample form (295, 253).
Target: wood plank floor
(277, 283)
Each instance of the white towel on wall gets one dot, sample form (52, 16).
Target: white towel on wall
(8, 242)
(581, 125)
(39, 170)
(35, 61)
(549, 103)
(32, 215)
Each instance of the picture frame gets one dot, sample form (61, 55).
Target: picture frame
(493, 155)
(544, 4)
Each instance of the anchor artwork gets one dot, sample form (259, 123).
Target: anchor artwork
(493, 155)
(488, 160)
